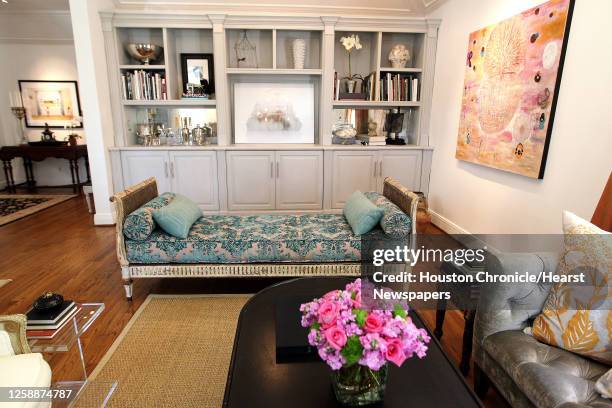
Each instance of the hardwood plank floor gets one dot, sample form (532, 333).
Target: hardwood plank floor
(60, 250)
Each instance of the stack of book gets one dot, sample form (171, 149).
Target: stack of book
(376, 140)
(141, 85)
(44, 324)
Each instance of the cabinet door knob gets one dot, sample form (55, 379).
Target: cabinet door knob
(380, 174)
(277, 170)
(166, 168)
(172, 169)
(271, 169)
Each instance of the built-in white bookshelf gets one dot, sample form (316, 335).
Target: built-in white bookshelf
(272, 41)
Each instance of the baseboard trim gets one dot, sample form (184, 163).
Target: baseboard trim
(104, 219)
(447, 225)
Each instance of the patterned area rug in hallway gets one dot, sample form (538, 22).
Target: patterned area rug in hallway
(16, 206)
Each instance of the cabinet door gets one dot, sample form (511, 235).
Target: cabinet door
(405, 166)
(140, 165)
(250, 180)
(352, 170)
(299, 180)
(194, 175)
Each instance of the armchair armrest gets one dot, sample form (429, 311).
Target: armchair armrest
(15, 327)
(510, 306)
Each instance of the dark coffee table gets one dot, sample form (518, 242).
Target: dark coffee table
(256, 380)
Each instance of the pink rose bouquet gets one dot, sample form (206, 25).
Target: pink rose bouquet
(346, 333)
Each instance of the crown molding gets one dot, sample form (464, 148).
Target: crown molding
(36, 41)
(124, 18)
(267, 8)
(35, 12)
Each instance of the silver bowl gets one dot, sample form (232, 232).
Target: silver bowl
(144, 52)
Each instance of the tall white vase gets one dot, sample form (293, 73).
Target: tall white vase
(299, 53)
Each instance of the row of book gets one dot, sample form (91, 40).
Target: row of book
(45, 324)
(143, 86)
(389, 87)
(399, 87)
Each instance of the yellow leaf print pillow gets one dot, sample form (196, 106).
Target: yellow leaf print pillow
(577, 316)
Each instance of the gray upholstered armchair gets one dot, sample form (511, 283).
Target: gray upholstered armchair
(526, 372)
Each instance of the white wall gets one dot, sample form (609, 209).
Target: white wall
(95, 98)
(477, 199)
(28, 54)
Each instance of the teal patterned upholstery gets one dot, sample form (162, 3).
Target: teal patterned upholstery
(256, 238)
(394, 222)
(140, 224)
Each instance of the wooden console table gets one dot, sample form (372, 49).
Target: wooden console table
(38, 153)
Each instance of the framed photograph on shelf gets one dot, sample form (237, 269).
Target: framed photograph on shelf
(274, 112)
(198, 75)
(55, 103)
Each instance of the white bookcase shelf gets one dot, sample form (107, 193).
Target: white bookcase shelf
(375, 104)
(272, 71)
(172, 102)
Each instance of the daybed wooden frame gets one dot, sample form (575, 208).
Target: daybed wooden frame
(134, 197)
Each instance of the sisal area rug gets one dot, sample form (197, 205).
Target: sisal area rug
(174, 352)
(17, 206)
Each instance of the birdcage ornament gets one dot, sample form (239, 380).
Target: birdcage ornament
(246, 52)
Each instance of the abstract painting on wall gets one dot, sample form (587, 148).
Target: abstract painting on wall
(512, 77)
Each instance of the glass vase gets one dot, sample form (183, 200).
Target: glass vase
(358, 385)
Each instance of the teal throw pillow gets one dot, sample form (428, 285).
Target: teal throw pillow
(177, 217)
(361, 214)
(140, 224)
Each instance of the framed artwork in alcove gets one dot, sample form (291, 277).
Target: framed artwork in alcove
(50, 102)
(512, 76)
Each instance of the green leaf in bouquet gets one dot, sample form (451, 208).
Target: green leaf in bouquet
(360, 317)
(398, 310)
(352, 350)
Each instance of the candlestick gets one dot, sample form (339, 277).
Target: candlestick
(19, 113)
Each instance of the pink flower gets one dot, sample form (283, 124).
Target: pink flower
(373, 323)
(395, 353)
(331, 295)
(328, 313)
(335, 337)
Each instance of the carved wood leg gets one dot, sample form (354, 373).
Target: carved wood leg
(70, 161)
(29, 172)
(87, 169)
(8, 175)
(77, 186)
(481, 382)
(468, 332)
(440, 314)
(128, 283)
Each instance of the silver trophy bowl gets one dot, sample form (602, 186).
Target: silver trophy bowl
(143, 52)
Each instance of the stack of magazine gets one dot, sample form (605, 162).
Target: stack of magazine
(46, 323)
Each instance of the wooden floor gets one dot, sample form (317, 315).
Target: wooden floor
(60, 250)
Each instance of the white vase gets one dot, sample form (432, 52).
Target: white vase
(299, 53)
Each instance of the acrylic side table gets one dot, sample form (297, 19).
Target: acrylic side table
(68, 338)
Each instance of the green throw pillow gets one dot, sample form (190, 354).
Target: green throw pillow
(177, 217)
(361, 214)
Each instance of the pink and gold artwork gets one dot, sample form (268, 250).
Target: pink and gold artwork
(512, 75)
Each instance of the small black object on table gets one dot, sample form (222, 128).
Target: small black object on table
(38, 153)
(256, 379)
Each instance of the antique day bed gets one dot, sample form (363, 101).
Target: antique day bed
(271, 245)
